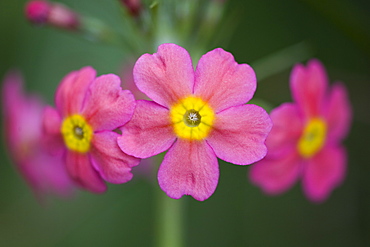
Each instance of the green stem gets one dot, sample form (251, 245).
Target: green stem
(170, 221)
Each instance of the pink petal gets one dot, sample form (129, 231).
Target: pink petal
(286, 130)
(189, 168)
(48, 174)
(72, 90)
(107, 106)
(339, 113)
(165, 76)
(51, 121)
(239, 134)
(53, 139)
(149, 132)
(22, 115)
(80, 169)
(113, 164)
(12, 92)
(276, 176)
(324, 172)
(308, 86)
(222, 82)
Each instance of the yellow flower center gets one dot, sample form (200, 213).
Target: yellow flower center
(192, 118)
(77, 133)
(313, 138)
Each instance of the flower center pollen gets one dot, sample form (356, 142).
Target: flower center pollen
(192, 118)
(77, 133)
(313, 138)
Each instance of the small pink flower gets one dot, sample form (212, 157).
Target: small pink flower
(88, 110)
(305, 140)
(23, 131)
(197, 116)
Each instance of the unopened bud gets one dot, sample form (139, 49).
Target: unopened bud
(133, 6)
(37, 11)
(62, 17)
(54, 14)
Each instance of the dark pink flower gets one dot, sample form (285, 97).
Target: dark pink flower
(88, 110)
(23, 131)
(197, 116)
(305, 141)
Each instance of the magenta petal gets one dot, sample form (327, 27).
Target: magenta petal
(165, 76)
(51, 121)
(113, 164)
(149, 132)
(13, 97)
(286, 130)
(53, 139)
(339, 113)
(308, 86)
(239, 134)
(189, 168)
(72, 90)
(22, 114)
(48, 174)
(275, 176)
(107, 106)
(222, 82)
(324, 172)
(80, 169)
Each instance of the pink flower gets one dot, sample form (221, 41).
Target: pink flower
(88, 110)
(23, 131)
(305, 140)
(196, 116)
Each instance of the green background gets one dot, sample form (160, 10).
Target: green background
(238, 214)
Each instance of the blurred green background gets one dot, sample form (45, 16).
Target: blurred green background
(238, 214)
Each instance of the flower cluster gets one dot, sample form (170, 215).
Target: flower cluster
(98, 131)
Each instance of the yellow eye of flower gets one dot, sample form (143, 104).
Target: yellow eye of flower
(192, 118)
(77, 133)
(313, 138)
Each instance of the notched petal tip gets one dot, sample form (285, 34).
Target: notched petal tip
(189, 168)
(165, 76)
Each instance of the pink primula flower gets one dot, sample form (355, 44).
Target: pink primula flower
(88, 110)
(197, 116)
(305, 140)
(23, 131)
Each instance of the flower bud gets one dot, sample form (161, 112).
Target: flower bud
(62, 17)
(37, 11)
(133, 6)
(53, 14)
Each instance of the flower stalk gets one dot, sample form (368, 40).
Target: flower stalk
(170, 221)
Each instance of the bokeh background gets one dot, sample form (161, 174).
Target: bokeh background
(238, 214)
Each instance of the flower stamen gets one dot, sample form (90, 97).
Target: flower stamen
(313, 138)
(192, 118)
(77, 133)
